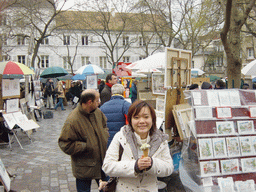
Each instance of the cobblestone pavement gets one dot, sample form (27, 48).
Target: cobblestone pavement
(41, 166)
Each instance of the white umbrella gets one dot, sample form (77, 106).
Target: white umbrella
(89, 69)
(152, 62)
(196, 72)
(250, 68)
(148, 71)
(135, 74)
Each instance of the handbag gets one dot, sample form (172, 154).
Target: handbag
(111, 185)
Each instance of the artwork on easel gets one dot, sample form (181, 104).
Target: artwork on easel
(12, 105)
(4, 177)
(158, 84)
(10, 88)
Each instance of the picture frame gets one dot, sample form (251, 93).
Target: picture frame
(224, 98)
(225, 127)
(10, 88)
(226, 184)
(205, 148)
(247, 185)
(203, 112)
(4, 177)
(213, 98)
(208, 168)
(91, 82)
(229, 166)
(223, 112)
(158, 83)
(246, 146)
(219, 147)
(160, 104)
(12, 105)
(252, 111)
(234, 98)
(253, 139)
(197, 98)
(233, 147)
(245, 127)
(248, 165)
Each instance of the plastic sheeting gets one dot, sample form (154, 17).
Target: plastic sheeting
(219, 154)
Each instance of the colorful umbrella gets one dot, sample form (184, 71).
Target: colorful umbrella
(14, 68)
(79, 77)
(52, 72)
(89, 69)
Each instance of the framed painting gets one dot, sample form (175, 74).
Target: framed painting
(208, 168)
(219, 147)
(225, 128)
(248, 164)
(224, 112)
(233, 146)
(205, 148)
(229, 166)
(12, 105)
(245, 127)
(246, 145)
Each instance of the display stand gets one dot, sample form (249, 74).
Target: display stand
(224, 157)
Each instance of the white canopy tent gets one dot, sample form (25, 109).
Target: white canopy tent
(250, 68)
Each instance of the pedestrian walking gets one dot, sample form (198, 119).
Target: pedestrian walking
(61, 95)
(105, 94)
(48, 92)
(84, 137)
(145, 156)
(116, 110)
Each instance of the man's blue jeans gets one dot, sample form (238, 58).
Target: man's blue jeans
(84, 185)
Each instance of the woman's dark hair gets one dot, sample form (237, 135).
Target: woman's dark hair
(135, 109)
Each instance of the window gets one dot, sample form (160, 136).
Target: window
(4, 39)
(66, 40)
(103, 62)
(20, 40)
(44, 61)
(142, 42)
(125, 40)
(45, 41)
(85, 60)
(126, 59)
(22, 59)
(250, 52)
(85, 40)
(66, 64)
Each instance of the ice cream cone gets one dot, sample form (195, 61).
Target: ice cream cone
(145, 152)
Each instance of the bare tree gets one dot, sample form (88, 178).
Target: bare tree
(236, 14)
(32, 21)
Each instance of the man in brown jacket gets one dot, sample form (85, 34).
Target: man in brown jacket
(84, 137)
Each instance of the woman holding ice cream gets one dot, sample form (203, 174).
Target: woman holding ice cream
(145, 155)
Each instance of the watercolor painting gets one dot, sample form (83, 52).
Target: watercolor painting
(229, 166)
(209, 168)
(233, 147)
(225, 127)
(205, 148)
(219, 147)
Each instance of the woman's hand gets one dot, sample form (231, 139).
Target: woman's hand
(144, 163)
(102, 184)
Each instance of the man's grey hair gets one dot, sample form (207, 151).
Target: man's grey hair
(117, 89)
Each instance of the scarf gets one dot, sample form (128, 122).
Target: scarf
(108, 84)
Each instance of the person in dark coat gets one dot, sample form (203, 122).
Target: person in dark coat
(49, 91)
(116, 110)
(101, 86)
(134, 91)
(105, 94)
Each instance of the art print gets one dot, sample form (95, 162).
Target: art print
(243, 186)
(252, 112)
(224, 112)
(219, 147)
(205, 148)
(10, 120)
(229, 166)
(203, 112)
(225, 127)
(226, 184)
(91, 82)
(248, 164)
(12, 105)
(253, 139)
(4, 177)
(158, 84)
(160, 104)
(10, 88)
(209, 168)
(197, 97)
(224, 98)
(245, 127)
(234, 98)
(233, 147)
(213, 98)
(246, 145)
